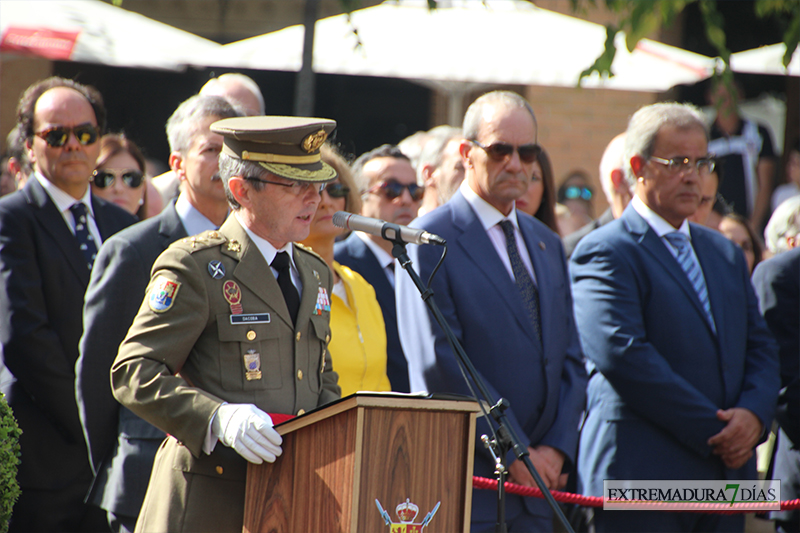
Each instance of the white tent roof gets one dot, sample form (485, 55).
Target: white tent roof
(96, 32)
(766, 60)
(489, 42)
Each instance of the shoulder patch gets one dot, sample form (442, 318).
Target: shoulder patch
(207, 239)
(162, 294)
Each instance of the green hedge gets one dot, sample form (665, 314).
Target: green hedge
(9, 459)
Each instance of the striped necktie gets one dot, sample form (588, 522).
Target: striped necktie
(525, 285)
(693, 271)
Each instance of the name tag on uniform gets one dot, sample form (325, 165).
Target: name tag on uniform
(256, 318)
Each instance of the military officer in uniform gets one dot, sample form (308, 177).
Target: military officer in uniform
(233, 329)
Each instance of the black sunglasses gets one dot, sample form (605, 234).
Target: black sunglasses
(59, 136)
(105, 178)
(500, 151)
(337, 190)
(393, 189)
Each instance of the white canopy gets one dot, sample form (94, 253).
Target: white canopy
(96, 32)
(489, 42)
(766, 60)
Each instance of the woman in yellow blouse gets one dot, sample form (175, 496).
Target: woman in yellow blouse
(358, 335)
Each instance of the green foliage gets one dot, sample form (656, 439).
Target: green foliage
(639, 18)
(9, 460)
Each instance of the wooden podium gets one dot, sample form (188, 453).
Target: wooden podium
(339, 460)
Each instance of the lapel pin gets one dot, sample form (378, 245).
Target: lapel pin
(542, 245)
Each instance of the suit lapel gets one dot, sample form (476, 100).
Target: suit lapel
(648, 239)
(708, 256)
(252, 270)
(54, 224)
(171, 228)
(479, 249)
(311, 284)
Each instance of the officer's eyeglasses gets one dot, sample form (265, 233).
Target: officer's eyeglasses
(296, 187)
(704, 165)
(105, 178)
(59, 136)
(501, 151)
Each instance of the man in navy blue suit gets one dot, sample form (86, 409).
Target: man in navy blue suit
(390, 191)
(504, 290)
(49, 232)
(683, 373)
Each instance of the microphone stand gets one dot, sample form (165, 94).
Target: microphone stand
(507, 438)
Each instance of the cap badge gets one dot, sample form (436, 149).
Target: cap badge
(313, 141)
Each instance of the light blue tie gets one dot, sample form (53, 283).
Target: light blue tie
(687, 261)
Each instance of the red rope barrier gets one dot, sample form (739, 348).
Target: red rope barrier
(596, 501)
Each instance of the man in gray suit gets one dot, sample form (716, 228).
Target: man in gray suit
(121, 445)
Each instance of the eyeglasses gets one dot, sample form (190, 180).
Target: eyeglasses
(704, 165)
(59, 136)
(337, 190)
(296, 187)
(394, 189)
(105, 178)
(574, 192)
(528, 153)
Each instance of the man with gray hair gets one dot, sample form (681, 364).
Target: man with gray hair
(683, 371)
(615, 187)
(504, 291)
(439, 168)
(121, 445)
(783, 227)
(233, 333)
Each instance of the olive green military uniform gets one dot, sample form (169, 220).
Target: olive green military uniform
(214, 327)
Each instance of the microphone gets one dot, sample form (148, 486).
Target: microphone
(387, 230)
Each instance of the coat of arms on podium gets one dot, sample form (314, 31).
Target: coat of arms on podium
(406, 512)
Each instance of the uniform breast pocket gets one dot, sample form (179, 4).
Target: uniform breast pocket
(250, 355)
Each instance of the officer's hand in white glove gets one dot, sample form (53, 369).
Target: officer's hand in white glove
(248, 430)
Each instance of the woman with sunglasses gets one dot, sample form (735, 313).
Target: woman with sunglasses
(540, 199)
(119, 176)
(358, 335)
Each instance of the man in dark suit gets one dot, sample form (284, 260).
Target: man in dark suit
(49, 234)
(777, 283)
(504, 290)
(615, 187)
(122, 446)
(389, 185)
(683, 371)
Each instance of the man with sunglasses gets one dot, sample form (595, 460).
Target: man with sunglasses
(503, 288)
(390, 192)
(683, 370)
(49, 235)
(121, 445)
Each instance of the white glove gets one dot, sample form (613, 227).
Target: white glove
(248, 430)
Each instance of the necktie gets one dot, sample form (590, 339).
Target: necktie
(85, 239)
(282, 265)
(525, 285)
(686, 259)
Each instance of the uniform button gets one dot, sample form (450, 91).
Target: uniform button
(299, 374)
(298, 336)
(219, 470)
(301, 412)
(328, 338)
(251, 335)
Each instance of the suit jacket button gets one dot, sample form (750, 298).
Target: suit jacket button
(219, 470)
(300, 374)
(301, 412)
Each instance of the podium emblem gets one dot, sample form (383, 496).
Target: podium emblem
(406, 512)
